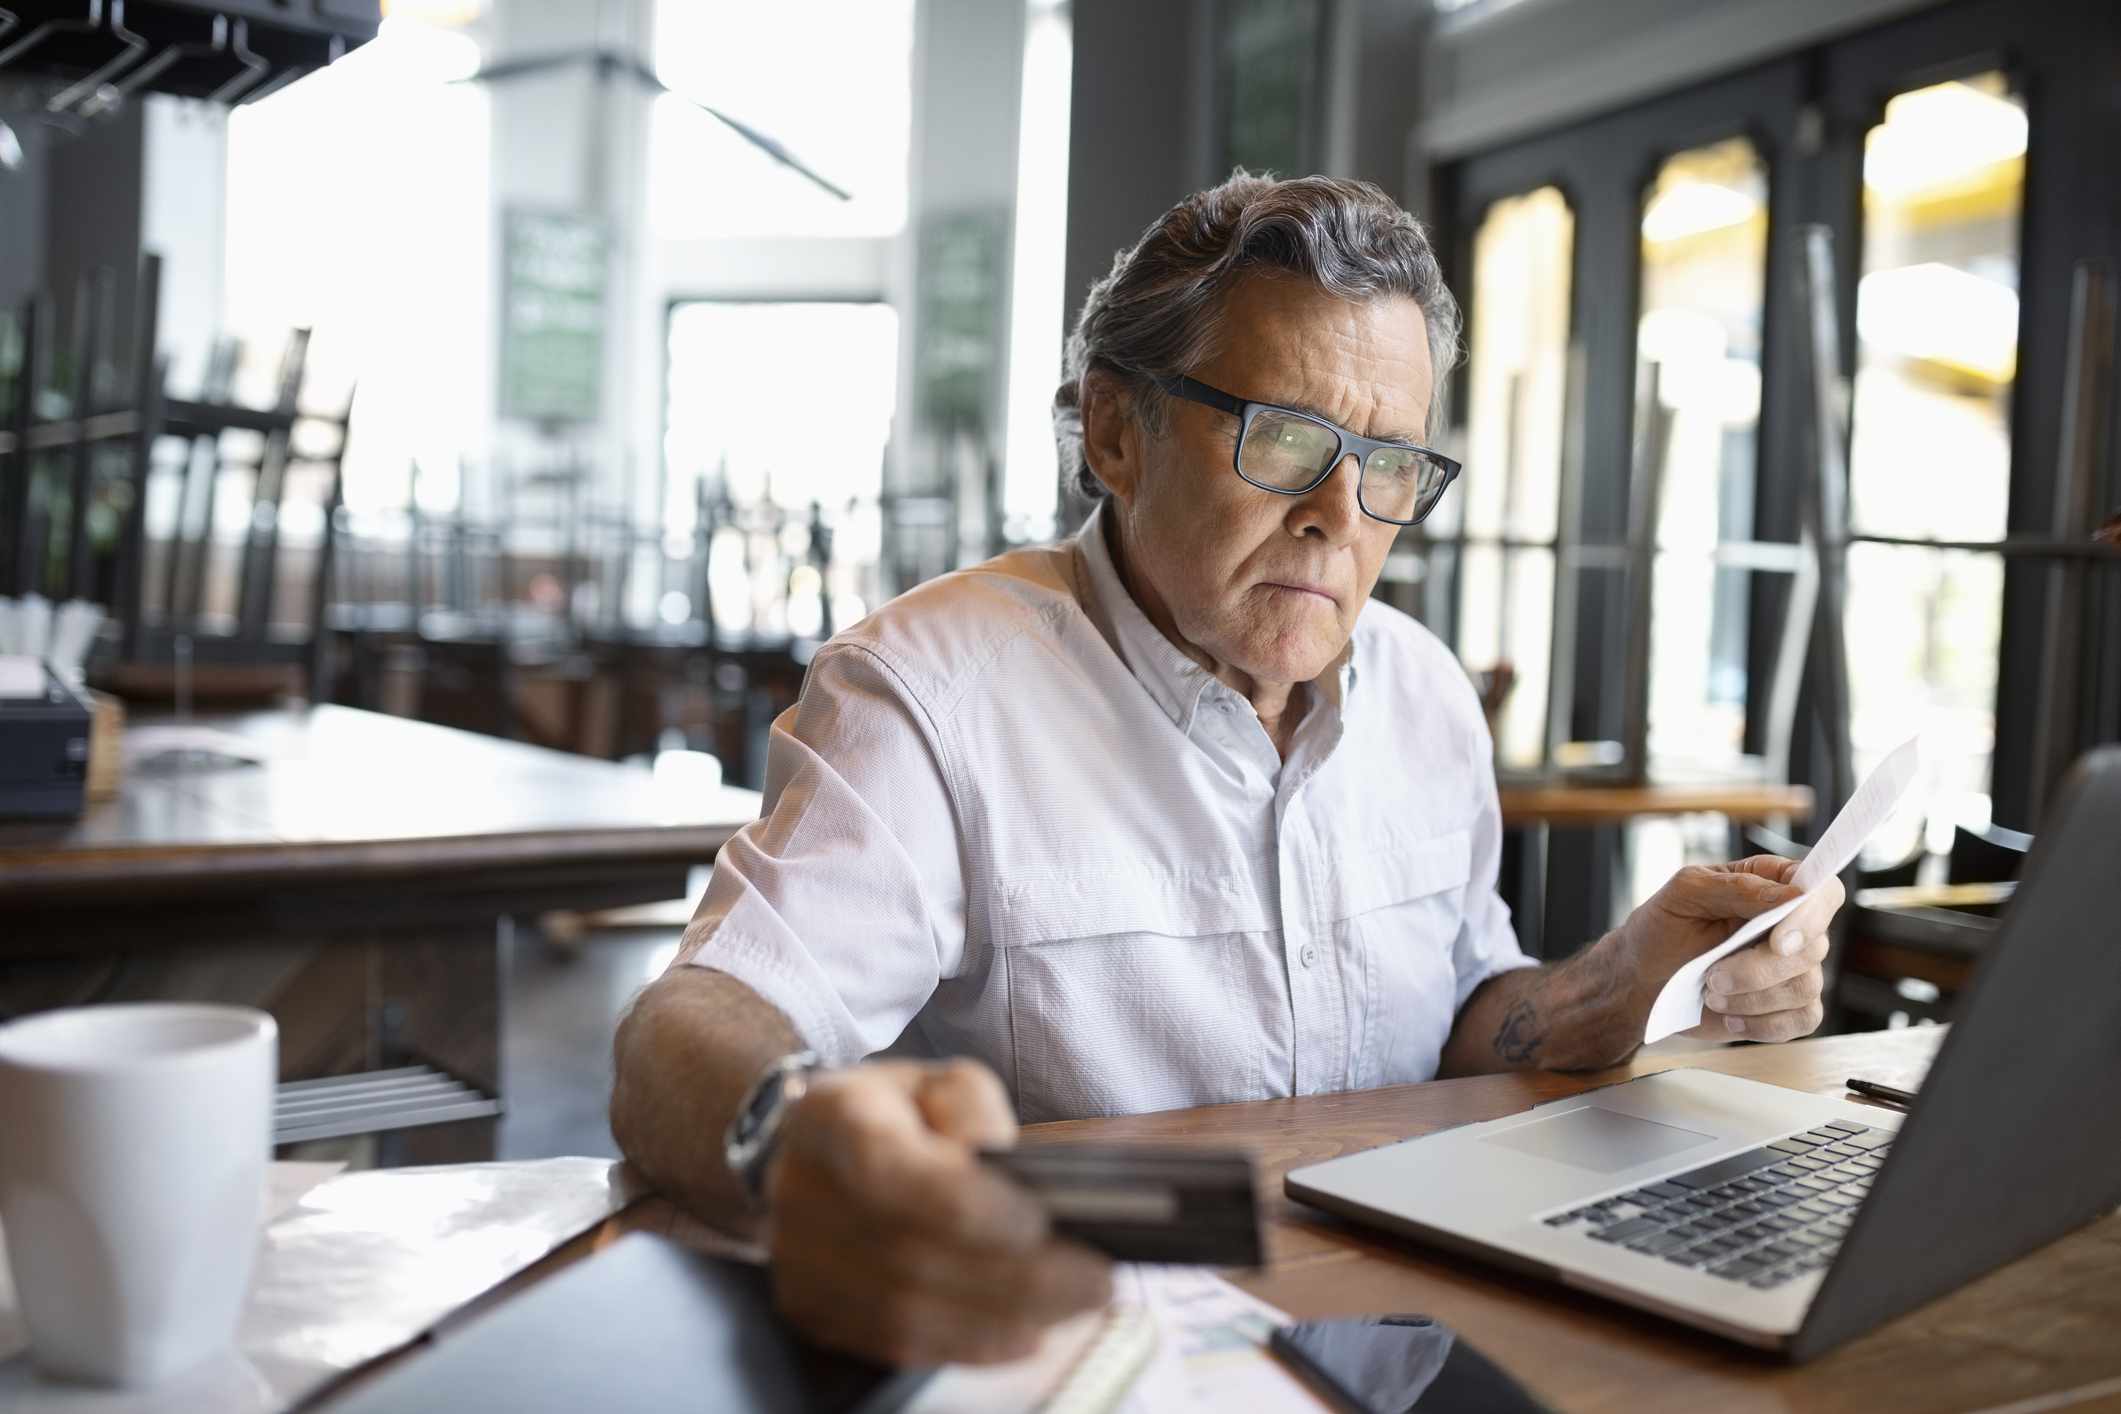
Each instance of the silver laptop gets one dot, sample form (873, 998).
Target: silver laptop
(1795, 1222)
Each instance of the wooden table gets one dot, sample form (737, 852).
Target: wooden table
(415, 843)
(356, 809)
(1562, 803)
(2042, 1328)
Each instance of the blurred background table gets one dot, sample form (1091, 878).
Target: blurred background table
(1564, 803)
(1533, 807)
(361, 881)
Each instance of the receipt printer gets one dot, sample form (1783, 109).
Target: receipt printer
(43, 743)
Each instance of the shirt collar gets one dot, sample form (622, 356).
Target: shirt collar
(1176, 682)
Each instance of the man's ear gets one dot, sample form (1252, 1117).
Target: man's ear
(1112, 441)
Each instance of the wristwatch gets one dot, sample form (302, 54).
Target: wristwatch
(753, 1135)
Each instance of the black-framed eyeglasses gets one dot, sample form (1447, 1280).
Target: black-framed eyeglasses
(1291, 453)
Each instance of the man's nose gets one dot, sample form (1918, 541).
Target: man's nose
(1333, 508)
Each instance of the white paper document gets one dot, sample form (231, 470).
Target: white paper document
(21, 676)
(1678, 1006)
(1214, 1356)
(1206, 1351)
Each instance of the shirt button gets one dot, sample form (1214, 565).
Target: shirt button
(1309, 956)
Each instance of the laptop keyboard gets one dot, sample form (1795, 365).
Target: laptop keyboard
(1763, 1217)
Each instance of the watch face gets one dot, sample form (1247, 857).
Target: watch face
(750, 1135)
(762, 1103)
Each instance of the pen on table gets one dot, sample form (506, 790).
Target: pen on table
(1890, 1094)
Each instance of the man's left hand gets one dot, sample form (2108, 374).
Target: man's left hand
(1768, 991)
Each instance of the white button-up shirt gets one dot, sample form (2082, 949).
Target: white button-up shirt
(1009, 819)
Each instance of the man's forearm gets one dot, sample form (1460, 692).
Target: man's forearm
(1583, 1013)
(686, 1053)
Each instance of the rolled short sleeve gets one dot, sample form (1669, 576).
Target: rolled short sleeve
(1486, 944)
(844, 903)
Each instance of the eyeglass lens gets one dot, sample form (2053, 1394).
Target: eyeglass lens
(1284, 452)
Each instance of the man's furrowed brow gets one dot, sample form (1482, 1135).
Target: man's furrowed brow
(1314, 411)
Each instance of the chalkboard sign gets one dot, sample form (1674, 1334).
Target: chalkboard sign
(959, 353)
(554, 273)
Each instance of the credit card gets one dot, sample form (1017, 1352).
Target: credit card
(1198, 1207)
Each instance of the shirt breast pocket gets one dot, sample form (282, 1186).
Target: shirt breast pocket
(1402, 906)
(1129, 994)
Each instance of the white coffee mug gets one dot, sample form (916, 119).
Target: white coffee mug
(133, 1146)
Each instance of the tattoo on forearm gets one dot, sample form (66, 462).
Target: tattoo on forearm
(1520, 1034)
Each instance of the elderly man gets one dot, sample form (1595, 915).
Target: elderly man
(1169, 814)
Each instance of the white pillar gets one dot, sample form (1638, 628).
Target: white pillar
(570, 139)
(967, 87)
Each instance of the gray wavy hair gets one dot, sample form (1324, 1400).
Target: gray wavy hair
(1158, 314)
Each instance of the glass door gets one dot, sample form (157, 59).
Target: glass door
(1635, 385)
(1502, 536)
(1618, 292)
(1971, 153)
(1698, 344)
(1929, 454)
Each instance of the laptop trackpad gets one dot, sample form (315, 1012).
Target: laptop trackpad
(1603, 1141)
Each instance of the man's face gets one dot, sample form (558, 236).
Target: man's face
(1264, 584)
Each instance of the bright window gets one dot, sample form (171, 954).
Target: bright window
(358, 205)
(830, 80)
(1937, 329)
(773, 406)
(1031, 477)
(1704, 272)
(1517, 398)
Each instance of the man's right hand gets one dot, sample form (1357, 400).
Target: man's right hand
(891, 1240)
